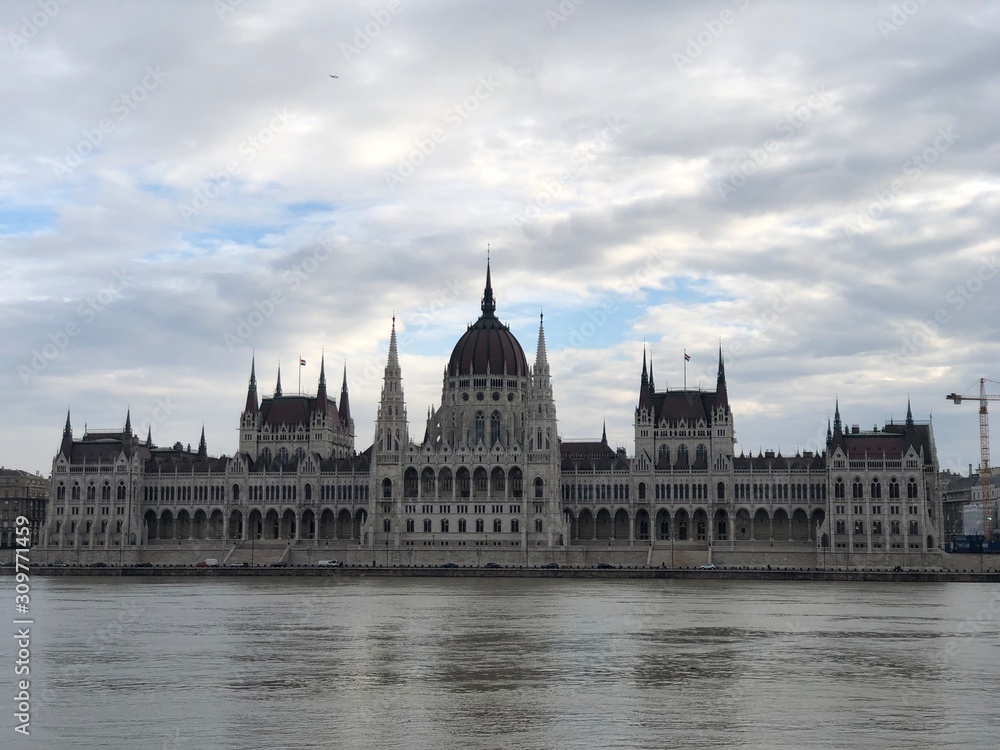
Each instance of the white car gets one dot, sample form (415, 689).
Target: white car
(707, 566)
(331, 563)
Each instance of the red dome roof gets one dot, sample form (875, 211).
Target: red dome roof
(488, 347)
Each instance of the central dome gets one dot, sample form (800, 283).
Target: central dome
(488, 347)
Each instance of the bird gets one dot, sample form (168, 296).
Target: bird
(333, 76)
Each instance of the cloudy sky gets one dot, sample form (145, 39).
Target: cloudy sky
(815, 185)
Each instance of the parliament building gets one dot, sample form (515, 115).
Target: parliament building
(490, 480)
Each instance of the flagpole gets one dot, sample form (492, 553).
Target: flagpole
(685, 369)
(299, 368)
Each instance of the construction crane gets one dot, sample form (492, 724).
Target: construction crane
(984, 453)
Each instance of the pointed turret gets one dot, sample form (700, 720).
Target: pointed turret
(645, 400)
(390, 427)
(604, 433)
(837, 427)
(128, 423)
(277, 386)
(721, 392)
(149, 436)
(652, 387)
(202, 445)
(541, 355)
(321, 397)
(251, 405)
(829, 432)
(66, 447)
(489, 305)
(345, 402)
(909, 415)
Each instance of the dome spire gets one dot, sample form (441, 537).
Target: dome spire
(489, 305)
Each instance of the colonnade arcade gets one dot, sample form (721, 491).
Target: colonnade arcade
(683, 524)
(263, 524)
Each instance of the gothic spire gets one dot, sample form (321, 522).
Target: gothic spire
(149, 436)
(345, 403)
(645, 400)
(66, 447)
(321, 397)
(128, 423)
(652, 388)
(541, 356)
(837, 427)
(393, 354)
(604, 432)
(202, 445)
(251, 406)
(277, 386)
(909, 415)
(489, 305)
(722, 393)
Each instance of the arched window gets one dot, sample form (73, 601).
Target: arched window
(876, 489)
(480, 427)
(386, 525)
(387, 488)
(444, 525)
(480, 526)
(538, 525)
(75, 492)
(720, 491)
(893, 489)
(495, 428)
(61, 491)
(427, 526)
(122, 493)
(91, 492)
(515, 525)
(410, 525)
(497, 525)
(642, 490)
(858, 489)
(839, 490)
(539, 487)
(911, 489)
(309, 491)
(106, 491)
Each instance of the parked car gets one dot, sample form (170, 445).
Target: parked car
(279, 565)
(143, 565)
(707, 566)
(551, 565)
(209, 563)
(59, 564)
(449, 565)
(605, 566)
(492, 565)
(99, 564)
(6, 565)
(331, 563)
(239, 565)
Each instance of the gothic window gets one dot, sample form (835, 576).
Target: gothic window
(839, 489)
(893, 489)
(911, 489)
(480, 427)
(497, 525)
(427, 526)
(121, 491)
(858, 489)
(387, 488)
(444, 525)
(495, 428)
(859, 527)
(106, 491)
(386, 525)
(642, 490)
(461, 525)
(515, 525)
(480, 525)
(410, 525)
(91, 492)
(876, 489)
(538, 525)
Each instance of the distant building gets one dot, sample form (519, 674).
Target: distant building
(490, 475)
(22, 494)
(962, 500)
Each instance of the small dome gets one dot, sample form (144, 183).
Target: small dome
(488, 347)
